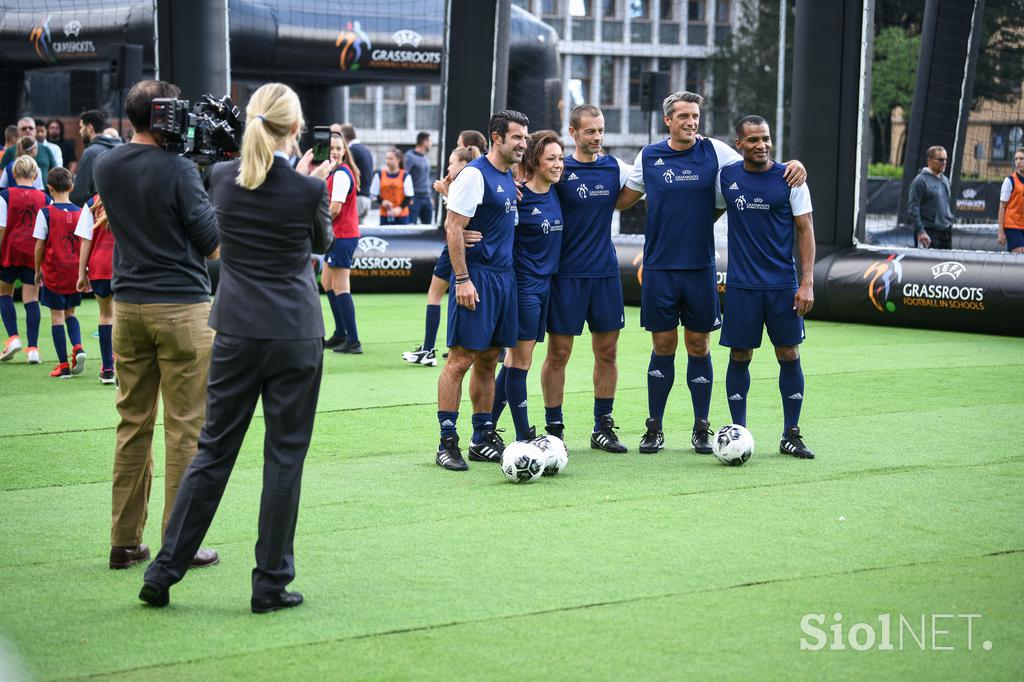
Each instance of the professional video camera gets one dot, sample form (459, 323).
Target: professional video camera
(211, 131)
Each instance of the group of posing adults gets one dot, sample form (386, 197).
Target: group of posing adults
(533, 256)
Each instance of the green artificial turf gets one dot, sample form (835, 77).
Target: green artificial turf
(665, 566)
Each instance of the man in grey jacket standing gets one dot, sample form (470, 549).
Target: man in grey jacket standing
(929, 203)
(90, 126)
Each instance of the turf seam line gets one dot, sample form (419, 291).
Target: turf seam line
(545, 612)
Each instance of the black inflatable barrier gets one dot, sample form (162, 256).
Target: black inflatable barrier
(952, 290)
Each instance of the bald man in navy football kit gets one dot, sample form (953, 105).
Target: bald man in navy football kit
(766, 216)
(482, 309)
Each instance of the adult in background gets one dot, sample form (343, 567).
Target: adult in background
(418, 166)
(766, 216)
(10, 137)
(44, 159)
(55, 151)
(271, 219)
(55, 134)
(482, 312)
(928, 203)
(164, 227)
(91, 125)
(1011, 206)
(364, 161)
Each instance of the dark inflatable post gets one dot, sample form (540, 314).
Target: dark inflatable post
(192, 48)
(824, 122)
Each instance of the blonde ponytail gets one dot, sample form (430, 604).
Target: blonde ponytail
(270, 116)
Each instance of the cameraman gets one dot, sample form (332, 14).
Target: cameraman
(164, 226)
(269, 344)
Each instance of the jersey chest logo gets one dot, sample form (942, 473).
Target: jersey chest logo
(670, 176)
(583, 191)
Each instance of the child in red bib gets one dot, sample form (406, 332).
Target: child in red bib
(95, 270)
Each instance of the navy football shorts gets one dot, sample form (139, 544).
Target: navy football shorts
(494, 323)
(594, 300)
(669, 298)
(340, 254)
(749, 311)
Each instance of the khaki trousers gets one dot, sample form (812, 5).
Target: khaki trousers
(161, 350)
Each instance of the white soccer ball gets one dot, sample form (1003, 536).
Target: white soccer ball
(523, 462)
(733, 445)
(554, 450)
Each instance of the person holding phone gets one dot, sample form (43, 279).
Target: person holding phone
(342, 187)
(272, 218)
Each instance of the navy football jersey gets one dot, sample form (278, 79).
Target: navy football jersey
(761, 207)
(588, 192)
(538, 241)
(487, 197)
(680, 189)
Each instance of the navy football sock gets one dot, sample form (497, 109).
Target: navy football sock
(553, 415)
(661, 374)
(433, 322)
(791, 386)
(74, 330)
(348, 314)
(10, 317)
(32, 323)
(500, 400)
(481, 423)
(60, 343)
(602, 408)
(737, 385)
(700, 377)
(447, 421)
(516, 389)
(339, 319)
(106, 347)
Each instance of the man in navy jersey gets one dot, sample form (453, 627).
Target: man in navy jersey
(587, 287)
(764, 215)
(482, 315)
(679, 280)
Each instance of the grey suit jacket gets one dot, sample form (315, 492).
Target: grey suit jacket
(267, 288)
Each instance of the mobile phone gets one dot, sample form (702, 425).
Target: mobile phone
(321, 143)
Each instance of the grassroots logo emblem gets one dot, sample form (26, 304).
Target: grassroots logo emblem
(949, 268)
(583, 191)
(884, 274)
(733, 186)
(535, 211)
(368, 244)
(669, 176)
(407, 37)
(741, 202)
(508, 205)
(969, 193)
(355, 44)
(72, 29)
(42, 41)
(659, 162)
(545, 226)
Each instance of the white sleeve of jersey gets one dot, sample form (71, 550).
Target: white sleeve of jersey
(5, 181)
(625, 170)
(719, 197)
(375, 185)
(726, 154)
(466, 192)
(635, 181)
(42, 228)
(342, 184)
(407, 186)
(85, 223)
(1006, 189)
(3, 212)
(800, 200)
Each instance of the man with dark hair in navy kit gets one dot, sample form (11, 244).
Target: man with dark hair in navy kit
(679, 280)
(764, 215)
(482, 312)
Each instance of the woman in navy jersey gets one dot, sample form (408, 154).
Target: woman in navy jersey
(426, 354)
(95, 269)
(19, 205)
(535, 254)
(342, 187)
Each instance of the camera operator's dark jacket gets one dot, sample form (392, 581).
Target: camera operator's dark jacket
(267, 288)
(85, 186)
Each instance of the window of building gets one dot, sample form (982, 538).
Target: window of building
(695, 74)
(549, 7)
(637, 65)
(581, 8)
(723, 11)
(428, 93)
(610, 9)
(393, 93)
(606, 96)
(667, 10)
(579, 79)
(695, 10)
(640, 9)
(359, 93)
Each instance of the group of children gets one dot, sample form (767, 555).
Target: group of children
(58, 251)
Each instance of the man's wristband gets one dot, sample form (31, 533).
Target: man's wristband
(459, 279)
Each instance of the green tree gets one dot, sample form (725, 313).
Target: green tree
(894, 73)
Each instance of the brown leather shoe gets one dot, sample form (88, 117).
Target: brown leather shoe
(123, 557)
(204, 557)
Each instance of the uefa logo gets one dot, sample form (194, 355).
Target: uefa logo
(368, 244)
